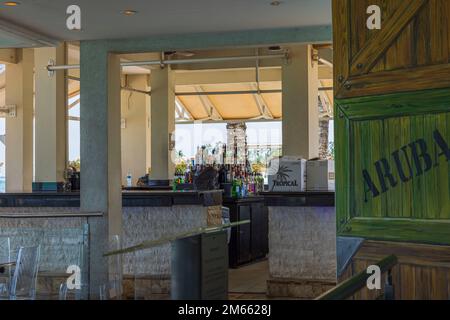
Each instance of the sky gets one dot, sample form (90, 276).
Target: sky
(189, 136)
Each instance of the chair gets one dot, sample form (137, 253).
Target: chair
(62, 291)
(67, 292)
(70, 294)
(23, 284)
(5, 257)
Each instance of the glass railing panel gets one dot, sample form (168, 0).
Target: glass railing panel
(151, 269)
(60, 248)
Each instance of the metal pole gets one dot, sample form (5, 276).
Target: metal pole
(326, 62)
(63, 67)
(212, 93)
(257, 72)
(218, 93)
(136, 90)
(208, 121)
(52, 67)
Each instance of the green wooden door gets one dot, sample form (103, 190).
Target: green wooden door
(392, 118)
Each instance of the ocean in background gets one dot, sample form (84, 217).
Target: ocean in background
(2, 184)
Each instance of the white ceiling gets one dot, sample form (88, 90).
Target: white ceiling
(102, 19)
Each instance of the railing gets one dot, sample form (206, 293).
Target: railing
(350, 287)
(155, 243)
(148, 265)
(64, 241)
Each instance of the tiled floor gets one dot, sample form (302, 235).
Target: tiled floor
(249, 282)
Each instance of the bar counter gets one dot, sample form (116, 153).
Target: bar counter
(154, 198)
(297, 229)
(299, 199)
(249, 243)
(51, 218)
(302, 243)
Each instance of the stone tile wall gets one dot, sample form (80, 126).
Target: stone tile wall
(302, 243)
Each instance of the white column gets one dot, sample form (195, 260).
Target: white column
(300, 104)
(162, 123)
(135, 139)
(50, 120)
(19, 129)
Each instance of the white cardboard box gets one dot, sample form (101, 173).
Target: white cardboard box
(287, 174)
(320, 175)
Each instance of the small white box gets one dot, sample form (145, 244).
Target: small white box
(320, 175)
(287, 174)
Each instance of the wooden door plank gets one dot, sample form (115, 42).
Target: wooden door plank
(400, 230)
(421, 78)
(378, 45)
(341, 49)
(438, 32)
(439, 284)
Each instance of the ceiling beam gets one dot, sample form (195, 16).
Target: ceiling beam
(8, 56)
(209, 107)
(178, 112)
(73, 104)
(325, 72)
(24, 36)
(184, 113)
(328, 110)
(224, 76)
(261, 104)
(228, 76)
(206, 121)
(326, 53)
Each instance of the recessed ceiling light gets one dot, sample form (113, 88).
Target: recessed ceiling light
(275, 3)
(129, 12)
(11, 3)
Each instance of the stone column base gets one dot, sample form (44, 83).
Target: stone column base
(296, 288)
(148, 287)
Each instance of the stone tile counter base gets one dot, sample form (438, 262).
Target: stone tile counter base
(146, 272)
(302, 245)
(302, 251)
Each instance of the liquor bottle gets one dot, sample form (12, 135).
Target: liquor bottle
(129, 180)
(253, 183)
(244, 189)
(234, 189)
(239, 184)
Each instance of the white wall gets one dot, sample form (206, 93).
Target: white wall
(135, 109)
